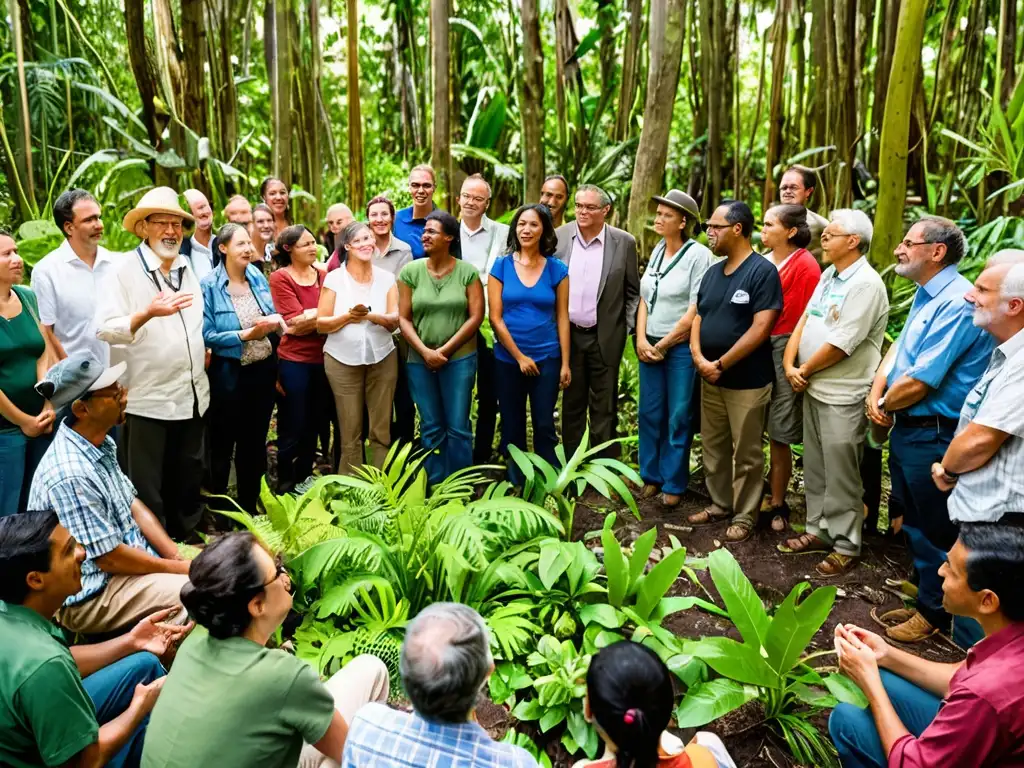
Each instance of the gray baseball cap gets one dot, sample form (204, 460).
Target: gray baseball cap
(73, 376)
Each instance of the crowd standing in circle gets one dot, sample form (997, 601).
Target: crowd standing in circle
(129, 381)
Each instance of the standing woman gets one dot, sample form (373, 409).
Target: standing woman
(305, 396)
(263, 236)
(359, 312)
(668, 291)
(787, 233)
(441, 306)
(26, 418)
(243, 367)
(275, 196)
(528, 296)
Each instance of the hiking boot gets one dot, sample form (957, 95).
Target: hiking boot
(913, 630)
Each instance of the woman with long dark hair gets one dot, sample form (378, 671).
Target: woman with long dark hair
(441, 306)
(528, 296)
(240, 327)
(275, 196)
(630, 700)
(240, 702)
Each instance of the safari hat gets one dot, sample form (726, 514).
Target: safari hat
(157, 200)
(73, 376)
(681, 201)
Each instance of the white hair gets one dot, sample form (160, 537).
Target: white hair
(478, 177)
(193, 196)
(1013, 282)
(339, 207)
(1006, 256)
(854, 222)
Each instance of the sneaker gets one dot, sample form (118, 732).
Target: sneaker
(305, 485)
(913, 630)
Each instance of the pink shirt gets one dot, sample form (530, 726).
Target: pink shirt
(585, 264)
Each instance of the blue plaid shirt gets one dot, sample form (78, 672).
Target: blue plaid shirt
(93, 499)
(380, 736)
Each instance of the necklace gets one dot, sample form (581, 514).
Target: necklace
(447, 270)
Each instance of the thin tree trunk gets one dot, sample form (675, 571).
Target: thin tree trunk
(531, 103)
(356, 172)
(441, 155)
(630, 69)
(193, 57)
(889, 11)
(276, 48)
(776, 115)
(23, 136)
(799, 91)
(712, 55)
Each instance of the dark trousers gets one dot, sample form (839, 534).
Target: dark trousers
(306, 402)
(111, 690)
(239, 421)
(164, 460)
(594, 389)
(403, 422)
(513, 389)
(487, 395)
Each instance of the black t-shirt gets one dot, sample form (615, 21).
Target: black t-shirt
(727, 305)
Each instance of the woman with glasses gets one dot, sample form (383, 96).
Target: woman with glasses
(668, 292)
(239, 702)
(441, 306)
(239, 323)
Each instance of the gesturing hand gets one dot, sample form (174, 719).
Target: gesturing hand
(152, 635)
(167, 303)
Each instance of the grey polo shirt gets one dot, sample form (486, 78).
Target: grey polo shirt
(483, 246)
(397, 255)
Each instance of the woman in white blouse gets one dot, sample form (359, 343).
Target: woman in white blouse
(359, 312)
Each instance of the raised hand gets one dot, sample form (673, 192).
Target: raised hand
(167, 303)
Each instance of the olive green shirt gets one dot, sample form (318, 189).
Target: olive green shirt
(21, 346)
(439, 307)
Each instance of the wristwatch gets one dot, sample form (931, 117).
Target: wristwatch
(949, 477)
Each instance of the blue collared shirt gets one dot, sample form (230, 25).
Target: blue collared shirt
(221, 329)
(93, 499)
(410, 230)
(941, 347)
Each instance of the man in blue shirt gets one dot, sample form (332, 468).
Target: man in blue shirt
(409, 222)
(919, 390)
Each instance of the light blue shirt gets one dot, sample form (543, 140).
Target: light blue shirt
(941, 347)
(221, 327)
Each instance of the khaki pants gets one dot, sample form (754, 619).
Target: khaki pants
(732, 422)
(833, 444)
(124, 601)
(356, 386)
(361, 681)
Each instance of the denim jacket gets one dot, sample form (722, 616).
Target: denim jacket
(221, 329)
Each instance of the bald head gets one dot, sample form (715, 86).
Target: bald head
(201, 210)
(238, 211)
(339, 216)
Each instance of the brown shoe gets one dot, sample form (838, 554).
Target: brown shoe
(913, 630)
(836, 564)
(670, 500)
(649, 491)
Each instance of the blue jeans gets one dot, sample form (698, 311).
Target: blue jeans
(306, 403)
(442, 398)
(666, 392)
(111, 690)
(19, 457)
(513, 389)
(853, 729)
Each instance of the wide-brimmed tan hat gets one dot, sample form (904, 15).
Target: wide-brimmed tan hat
(681, 201)
(157, 200)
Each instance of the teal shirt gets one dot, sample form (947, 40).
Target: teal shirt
(46, 716)
(21, 346)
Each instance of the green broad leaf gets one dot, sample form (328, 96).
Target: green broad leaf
(528, 710)
(569, 742)
(737, 661)
(577, 726)
(657, 582)
(587, 44)
(844, 689)
(552, 717)
(794, 625)
(712, 700)
(812, 697)
(669, 605)
(523, 462)
(615, 569)
(37, 228)
(642, 548)
(552, 563)
(742, 602)
(691, 670)
(602, 614)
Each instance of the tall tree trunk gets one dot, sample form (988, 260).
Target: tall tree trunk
(356, 173)
(24, 134)
(713, 71)
(276, 48)
(227, 94)
(531, 102)
(630, 70)
(776, 115)
(889, 11)
(193, 57)
(892, 179)
(441, 152)
(799, 87)
(665, 39)
(1007, 37)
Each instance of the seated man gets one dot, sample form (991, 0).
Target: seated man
(83, 706)
(446, 660)
(132, 568)
(924, 713)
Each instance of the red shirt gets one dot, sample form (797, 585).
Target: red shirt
(799, 275)
(981, 721)
(290, 300)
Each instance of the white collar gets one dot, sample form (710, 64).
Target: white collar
(153, 261)
(68, 254)
(1013, 345)
(599, 237)
(483, 226)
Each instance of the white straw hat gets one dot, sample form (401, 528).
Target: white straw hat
(157, 200)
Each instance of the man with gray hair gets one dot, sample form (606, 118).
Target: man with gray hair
(985, 461)
(198, 248)
(446, 660)
(832, 357)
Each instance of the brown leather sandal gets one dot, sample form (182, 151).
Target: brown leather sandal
(803, 544)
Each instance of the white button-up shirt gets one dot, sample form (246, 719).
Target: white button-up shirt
(166, 357)
(484, 245)
(202, 259)
(67, 290)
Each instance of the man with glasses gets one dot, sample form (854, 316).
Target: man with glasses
(409, 222)
(797, 188)
(918, 391)
(604, 292)
(131, 567)
(483, 241)
(151, 313)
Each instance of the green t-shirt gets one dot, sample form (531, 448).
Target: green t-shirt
(235, 704)
(46, 717)
(21, 346)
(439, 307)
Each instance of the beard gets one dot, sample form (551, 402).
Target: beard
(983, 317)
(165, 248)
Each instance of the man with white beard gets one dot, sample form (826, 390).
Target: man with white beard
(151, 313)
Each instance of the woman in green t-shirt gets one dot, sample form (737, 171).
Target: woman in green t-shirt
(232, 702)
(440, 308)
(26, 418)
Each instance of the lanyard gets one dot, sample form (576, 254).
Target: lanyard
(179, 272)
(659, 274)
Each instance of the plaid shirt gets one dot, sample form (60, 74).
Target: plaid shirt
(93, 499)
(382, 737)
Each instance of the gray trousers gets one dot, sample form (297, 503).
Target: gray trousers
(833, 444)
(594, 388)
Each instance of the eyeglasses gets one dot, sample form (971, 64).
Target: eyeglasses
(585, 208)
(716, 227)
(166, 224)
(473, 198)
(790, 188)
(827, 236)
(418, 185)
(280, 571)
(912, 243)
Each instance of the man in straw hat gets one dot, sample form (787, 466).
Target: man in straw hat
(151, 313)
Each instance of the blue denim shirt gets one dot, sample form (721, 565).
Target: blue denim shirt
(221, 329)
(941, 346)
